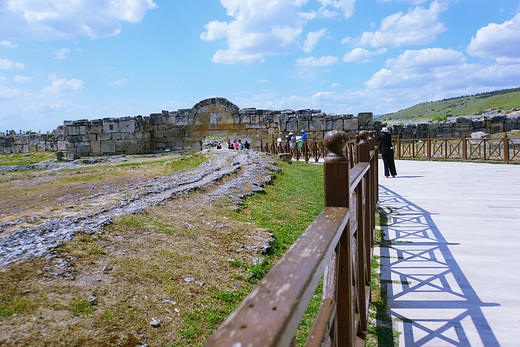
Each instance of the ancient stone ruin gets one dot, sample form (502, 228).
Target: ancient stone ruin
(219, 119)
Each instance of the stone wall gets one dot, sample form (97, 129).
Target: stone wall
(186, 129)
(32, 143)
(218, 118)
(458, 127)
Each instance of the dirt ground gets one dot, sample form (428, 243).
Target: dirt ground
(129, 282)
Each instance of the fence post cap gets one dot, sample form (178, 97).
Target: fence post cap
(335, 141)
(363, 136)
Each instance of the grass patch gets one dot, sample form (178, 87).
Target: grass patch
(79, 306)
(12, 303)
(380, 330)
(25, 158)
(287, 208)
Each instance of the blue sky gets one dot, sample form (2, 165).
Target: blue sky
(90, 59)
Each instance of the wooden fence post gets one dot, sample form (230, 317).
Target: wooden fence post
(464, 148)
(365, 223)
(337, 194)
(398, 147)
(335, 170)
(429, 148)
(506, 149)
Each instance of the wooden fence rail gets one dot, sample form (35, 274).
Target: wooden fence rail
(307, 150)
(336, 246)
(504, 149)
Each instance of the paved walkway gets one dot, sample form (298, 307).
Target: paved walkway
(453, 270)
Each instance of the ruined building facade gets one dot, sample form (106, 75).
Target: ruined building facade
(218, 118)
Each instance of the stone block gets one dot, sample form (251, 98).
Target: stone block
(130, 136)
(127, 126)
(88, 137)
(497, 128)
(124, 146)
(83, 149)
(350, 124)
(110, 126)
(315, 125)
(117, 136)
(365, 116)
(71, 130)
(83, 130)
(108, 147)
(62, 145)
(337, 124)
(292, 126)
(95, 147)
(104, 137)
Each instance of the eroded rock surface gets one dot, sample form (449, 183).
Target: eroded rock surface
(236, 174)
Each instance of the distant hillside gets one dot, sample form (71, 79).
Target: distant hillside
(500, 101)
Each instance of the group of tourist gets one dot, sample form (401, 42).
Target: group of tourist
(236, 145)
(291, 139)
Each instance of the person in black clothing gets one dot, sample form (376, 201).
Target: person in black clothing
(387, 152)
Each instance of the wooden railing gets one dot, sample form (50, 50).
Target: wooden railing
(336, 246)
(307, 150)
(503, 149)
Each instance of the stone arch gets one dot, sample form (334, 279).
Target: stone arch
(214, 112)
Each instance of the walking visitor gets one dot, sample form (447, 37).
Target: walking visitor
(387, 152)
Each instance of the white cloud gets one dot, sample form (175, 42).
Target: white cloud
(311, 61)
(6, 43)
(119, 82)
(496, 41)
(413, 68)
(436, 73)
(345, 6)
(418, 26)
(335, 85)
(63, 86)
(62, 53)
(8, 93)
(10, 65)
(65, 19)
(312, 40)
(259, 28)
(361, 55)
(22, 79)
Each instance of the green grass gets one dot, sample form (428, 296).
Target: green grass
(287, 208)
(145, 222)
(502, 101)
(79, 306)
(380, 333)
(12, 303)
(25, 158)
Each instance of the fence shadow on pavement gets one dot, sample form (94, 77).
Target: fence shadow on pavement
(428, 294)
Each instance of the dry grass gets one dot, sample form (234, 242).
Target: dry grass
(165, 264)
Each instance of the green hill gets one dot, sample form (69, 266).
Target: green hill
(500, 101)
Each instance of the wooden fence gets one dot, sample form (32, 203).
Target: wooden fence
(336, 246)
(503, 149)
(310, 149)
